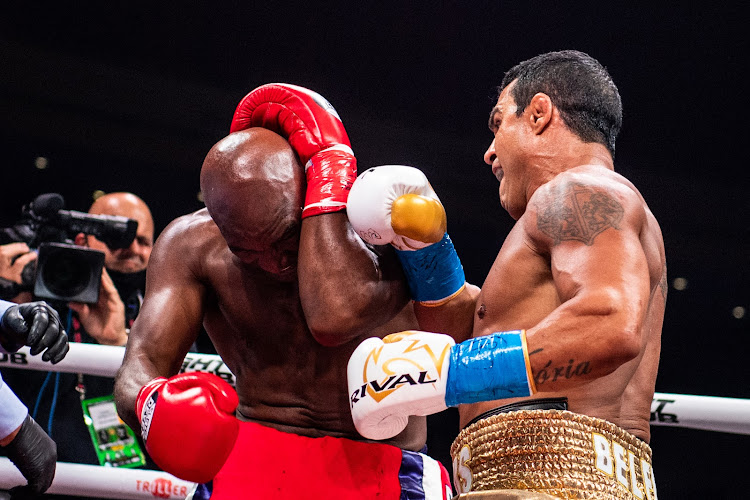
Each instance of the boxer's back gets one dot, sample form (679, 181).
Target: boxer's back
(520, 292)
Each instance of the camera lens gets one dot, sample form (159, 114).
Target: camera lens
(66, 273)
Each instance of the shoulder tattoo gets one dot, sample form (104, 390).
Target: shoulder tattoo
(579, 212)
(663, 285)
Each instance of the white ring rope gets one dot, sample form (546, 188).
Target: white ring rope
(709, 413)
(103, 482)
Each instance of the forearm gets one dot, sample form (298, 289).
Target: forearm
(12, 413)
(128, 382)
(584, 339)
(135, 372)
(344, 286)
(455, 317)
(156, 348)
(142, 363)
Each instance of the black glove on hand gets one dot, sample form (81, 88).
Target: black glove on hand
(37, 325)
(35, 455)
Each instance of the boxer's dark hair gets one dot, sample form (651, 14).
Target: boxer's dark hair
(578, 85)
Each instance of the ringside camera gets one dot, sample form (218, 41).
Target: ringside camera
(63, 271)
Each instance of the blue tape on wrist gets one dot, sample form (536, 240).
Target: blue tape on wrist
(434, 272)
(488, 368)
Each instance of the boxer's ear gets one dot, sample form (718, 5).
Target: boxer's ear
(540, 111)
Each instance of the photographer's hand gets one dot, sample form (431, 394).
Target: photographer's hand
(13, 258)
(105, 320)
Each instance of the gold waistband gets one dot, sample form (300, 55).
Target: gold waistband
(557, 452)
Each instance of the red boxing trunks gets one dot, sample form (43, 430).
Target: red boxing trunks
(266, 463)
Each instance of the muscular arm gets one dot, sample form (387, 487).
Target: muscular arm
(455, 317)
(170, 317)
(591, 235)
(345, 288)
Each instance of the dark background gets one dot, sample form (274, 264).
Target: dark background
(122, 97)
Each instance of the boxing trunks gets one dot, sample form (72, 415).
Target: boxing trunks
(269, 464)
(552, 451)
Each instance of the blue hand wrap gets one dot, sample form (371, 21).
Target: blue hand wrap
(489, 368)
(435, 272)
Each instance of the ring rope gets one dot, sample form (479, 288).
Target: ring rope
(710, 413)
(103, 482)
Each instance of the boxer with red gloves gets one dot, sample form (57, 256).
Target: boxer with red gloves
(315, 132)
(254, 272)
(195, 410)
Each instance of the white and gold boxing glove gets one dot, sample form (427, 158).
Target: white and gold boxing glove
(421, 373)
(395, 204)
(392, 378)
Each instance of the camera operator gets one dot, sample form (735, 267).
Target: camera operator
(57, 400)
(124, 277)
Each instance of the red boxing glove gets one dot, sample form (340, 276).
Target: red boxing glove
(188, 423)
(314, 130)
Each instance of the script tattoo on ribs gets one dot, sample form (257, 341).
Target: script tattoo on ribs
(579, 213)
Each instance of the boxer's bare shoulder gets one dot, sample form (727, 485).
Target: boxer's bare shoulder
(580, 204)
(197, 225)
(187, 240)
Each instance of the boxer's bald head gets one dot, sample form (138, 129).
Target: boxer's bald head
(253, 187)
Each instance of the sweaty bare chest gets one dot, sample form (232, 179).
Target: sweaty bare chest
(518, 291)
(249, 307)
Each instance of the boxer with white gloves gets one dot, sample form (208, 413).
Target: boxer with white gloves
(421, 373)
(396, 204)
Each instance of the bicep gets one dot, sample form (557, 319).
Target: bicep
(592, 237)
(172, 310)
(614, 269)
